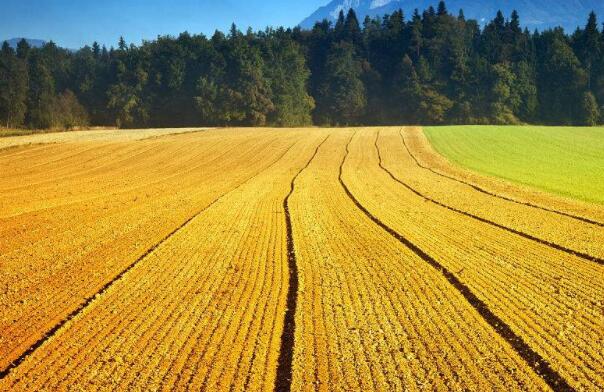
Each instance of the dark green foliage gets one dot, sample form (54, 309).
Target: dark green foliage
(13, 88)
(433, 107)
(236, 91)
(407, 92)
(23, 49)
(288, 77)
(125, 94)
(341, 98)
(427, 68)
(525, 90)
(68, 112)
(561, 81)
(505, 102)
(588, 48)
(590, 112)
(41, 93)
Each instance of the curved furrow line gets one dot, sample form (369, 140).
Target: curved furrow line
(55, 158)
(66, 297)
(552, 245)
(533, 359)
(492, 194)
(156, 181)
(146, 343)
(120, 156)
(90, 299)
(283, 382)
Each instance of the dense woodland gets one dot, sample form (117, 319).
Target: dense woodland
(428, 68)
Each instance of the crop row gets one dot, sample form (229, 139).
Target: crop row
(55, 258)
(510, 196)
(549, 298)
(202, 312)
(371, 315)
(175, 263)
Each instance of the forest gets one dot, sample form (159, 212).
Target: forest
(433, 67)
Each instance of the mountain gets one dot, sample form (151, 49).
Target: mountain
(534, 14)
(36, 43)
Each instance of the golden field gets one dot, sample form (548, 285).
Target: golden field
(302, 259)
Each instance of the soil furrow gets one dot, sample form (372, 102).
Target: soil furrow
(48, 335)
(552, 245)
(533, 359)
(283, 382)
(492, 194)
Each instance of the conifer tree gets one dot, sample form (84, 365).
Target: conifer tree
(562, 81)
(13, 88)
(288, 77)
(340, 26)
(41, 93)
(352, 31)
(432, 68)
(341, 99)
(96, 49)
(122, 44)
(23, 49)
(589, 48)
(442, 9)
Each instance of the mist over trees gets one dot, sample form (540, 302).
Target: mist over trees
(427, 68)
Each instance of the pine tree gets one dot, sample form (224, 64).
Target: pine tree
(562, 81)
(340, 26)
(41, 93)
(6, 49)
(352, 31)
(288, 77)
(341, 99)
(515, 23)
(125, 94)
(13, 88)
(442, 9)
(407, 94)
(416, 39)
(96, 49)
(23, 49)
(589, 48)
(525, 88)
(318, 44)
(499, 22)
(122, 44)
(238, 92)
(461, 16)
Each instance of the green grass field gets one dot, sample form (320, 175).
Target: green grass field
(563, 160)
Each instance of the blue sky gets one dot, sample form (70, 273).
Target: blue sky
(73, 24)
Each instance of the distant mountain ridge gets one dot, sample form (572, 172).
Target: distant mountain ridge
(36, 43)
(534, 14)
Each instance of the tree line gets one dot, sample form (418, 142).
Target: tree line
(427, 68)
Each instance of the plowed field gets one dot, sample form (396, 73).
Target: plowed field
(300, 259)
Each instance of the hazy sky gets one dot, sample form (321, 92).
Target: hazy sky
(74, 23)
